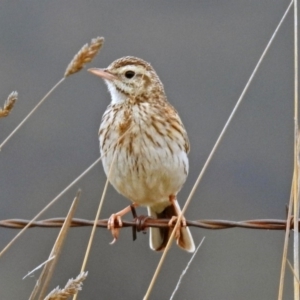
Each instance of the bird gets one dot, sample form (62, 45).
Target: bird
(144, 147)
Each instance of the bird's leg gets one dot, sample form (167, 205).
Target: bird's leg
(117, 218)
(173, 220)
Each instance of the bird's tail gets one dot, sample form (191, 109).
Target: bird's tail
(159, 236)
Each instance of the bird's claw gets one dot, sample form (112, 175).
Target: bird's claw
(173, 222)
(115, 231)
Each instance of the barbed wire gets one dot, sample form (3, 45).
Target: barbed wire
(141, 223)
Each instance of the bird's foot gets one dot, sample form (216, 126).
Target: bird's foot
(114, 223)
(173, 222)
(115, 231)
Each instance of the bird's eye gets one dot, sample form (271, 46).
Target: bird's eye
(129, 74)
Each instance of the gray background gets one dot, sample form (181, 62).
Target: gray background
(204, 52)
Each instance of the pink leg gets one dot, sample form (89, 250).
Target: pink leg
(115, 231)
(173, 220)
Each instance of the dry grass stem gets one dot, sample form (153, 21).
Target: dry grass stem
(38, 267)
(89, 246)
(45, 277)
(186, 268)
(30, 113)
(8, 105)
(296, 153)
(286, 245)
(84, 56)
(212, 153)
(72, 287)
(293, 271)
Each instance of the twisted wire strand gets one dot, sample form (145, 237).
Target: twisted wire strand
(141, 223)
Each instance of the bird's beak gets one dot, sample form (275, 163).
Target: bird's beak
(102, 73)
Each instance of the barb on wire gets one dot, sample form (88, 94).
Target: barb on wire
(141, 223)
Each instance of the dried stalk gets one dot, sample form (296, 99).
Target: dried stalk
(45, 277)
(38, 267)
(30, 113)
(291, 267)
(210, 157)
(185, 270)
(296, 153)
(286, 244)
(89, 246)
(8, 104)
(84, 56)
(71, 288)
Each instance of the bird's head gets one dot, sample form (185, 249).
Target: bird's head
(130, 77)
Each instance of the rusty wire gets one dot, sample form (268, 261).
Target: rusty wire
(141, 223)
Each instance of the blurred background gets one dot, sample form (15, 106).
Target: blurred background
(204, 52)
